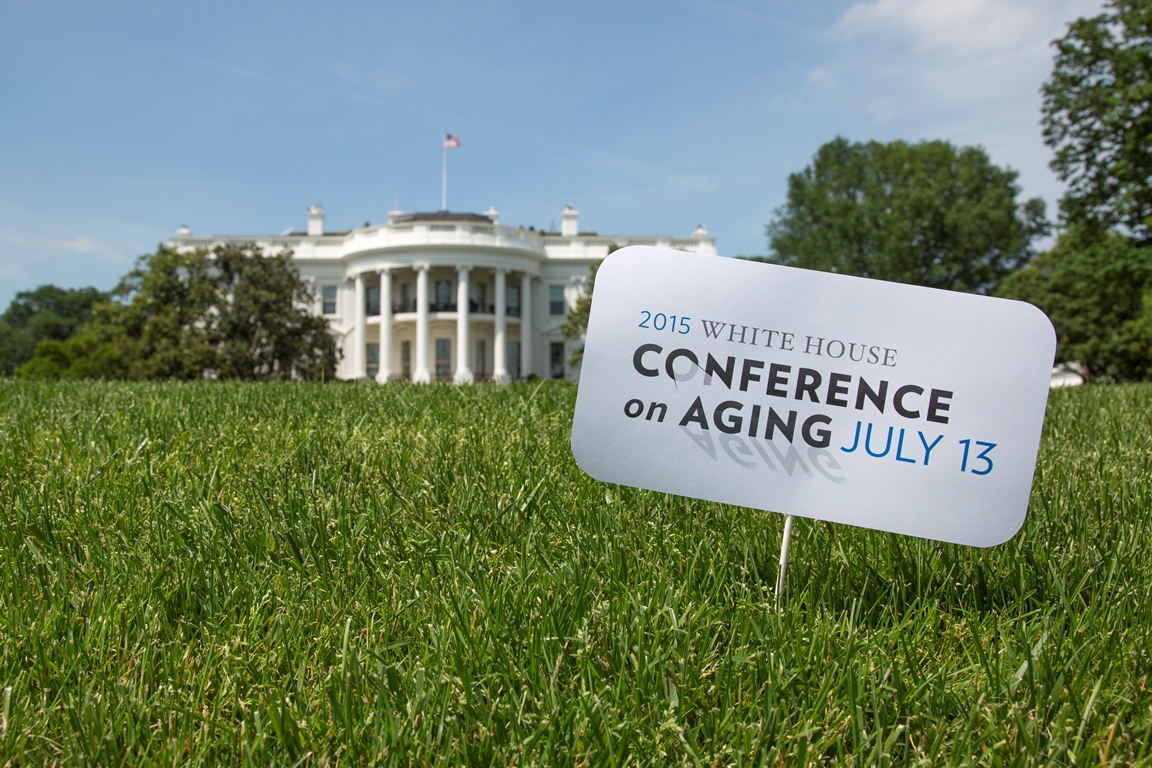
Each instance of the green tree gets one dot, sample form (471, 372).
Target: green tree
(575, 325)
(89, 354)
(48, 313)
(1097, 290)
(1097, 116)
(264, 330)
(16, 347)
(165, 316)
(926, 213)
(231, 313)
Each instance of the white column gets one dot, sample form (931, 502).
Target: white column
(421, 375)
(359, 334)
(385, 371)
(500, 369)
(526, 325)
(463, 317)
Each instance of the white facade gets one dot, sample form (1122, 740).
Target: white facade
(465, 298)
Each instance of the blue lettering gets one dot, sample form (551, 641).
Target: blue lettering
(868, 443)
(928, 448)
(900, 447)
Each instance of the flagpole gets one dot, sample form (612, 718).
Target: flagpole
(444, 179)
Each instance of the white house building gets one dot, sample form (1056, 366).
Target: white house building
(447, 296)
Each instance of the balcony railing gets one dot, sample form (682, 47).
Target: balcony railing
(474, 307)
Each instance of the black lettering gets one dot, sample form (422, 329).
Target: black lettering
(747, 376)
(638, 359)
(936, 406)
(898, 400)
(775, 422)
(713, 329)
(837, 385)
(675, 355)
(878, 397)
(822, 437)
(695, 414)
(732, 333)
(712, 367)
(732, 426)
(652, 410)
(777, 378)
(807, 380)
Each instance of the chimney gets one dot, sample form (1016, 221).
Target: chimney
(315, 221)
(569, 218)
(493, 214)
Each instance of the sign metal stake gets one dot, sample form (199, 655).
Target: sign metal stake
(784, 554)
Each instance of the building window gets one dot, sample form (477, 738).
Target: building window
(513, 305)
(514, 360)
(481, 304)
(407, 303)
(443, 358)
(406, 359)
(556, 359)
(481, 359)
(372, 300)
(328, 296)
(373, 360)
(556, 300)
(441, 297)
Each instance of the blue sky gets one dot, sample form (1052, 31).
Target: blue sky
(121, 121)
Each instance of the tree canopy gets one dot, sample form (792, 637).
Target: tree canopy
(1096, 117)
(233, 313)
(1096, 283)
(1097, 290)
(927, 213)
(48, 313)
(575, 325)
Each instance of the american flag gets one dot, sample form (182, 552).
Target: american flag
(450, 141)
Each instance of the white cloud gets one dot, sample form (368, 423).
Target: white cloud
(81, 246)
(822, 77)
(85, 245)
(969, 71)
(963, 28)
(883, 110)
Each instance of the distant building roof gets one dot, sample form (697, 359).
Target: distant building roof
(442, 216)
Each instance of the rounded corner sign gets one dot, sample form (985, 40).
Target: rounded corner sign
(882, 405)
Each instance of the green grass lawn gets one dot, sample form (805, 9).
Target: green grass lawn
(281, 574)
